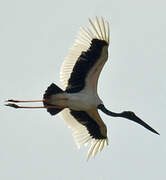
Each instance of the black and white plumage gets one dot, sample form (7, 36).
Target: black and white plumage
(78, 102)
(79, 75)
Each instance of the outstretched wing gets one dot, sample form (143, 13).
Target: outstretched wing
(81, 68)
(87, 127)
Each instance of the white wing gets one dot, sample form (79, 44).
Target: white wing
(99, 30)
(97, 135)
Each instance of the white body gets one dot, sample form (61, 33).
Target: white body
(81, 101)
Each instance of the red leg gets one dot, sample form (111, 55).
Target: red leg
(34, 107)
(23, 101)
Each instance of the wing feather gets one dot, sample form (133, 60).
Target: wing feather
(90, 151)
(96, 32)
(99, 30)
(96, 148)
(86, 130)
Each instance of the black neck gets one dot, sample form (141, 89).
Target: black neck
(110, 113)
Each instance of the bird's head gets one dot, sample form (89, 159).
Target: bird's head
(129, 115)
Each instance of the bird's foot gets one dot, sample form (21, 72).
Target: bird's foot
(12, 105)
(12, 100)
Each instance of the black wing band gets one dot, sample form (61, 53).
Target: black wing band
(91, 125)
(85, 62)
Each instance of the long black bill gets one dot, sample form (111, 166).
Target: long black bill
(139, 121)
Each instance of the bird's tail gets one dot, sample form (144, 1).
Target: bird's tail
(52, 90)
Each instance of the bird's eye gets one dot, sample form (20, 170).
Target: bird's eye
(132, 113)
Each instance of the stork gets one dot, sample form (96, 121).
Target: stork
(78, 102)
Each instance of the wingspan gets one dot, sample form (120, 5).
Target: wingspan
(82, 66)
(87, 127)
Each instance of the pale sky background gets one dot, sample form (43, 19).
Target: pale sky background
(35, 36)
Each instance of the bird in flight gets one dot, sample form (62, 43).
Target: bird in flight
(78, 102)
